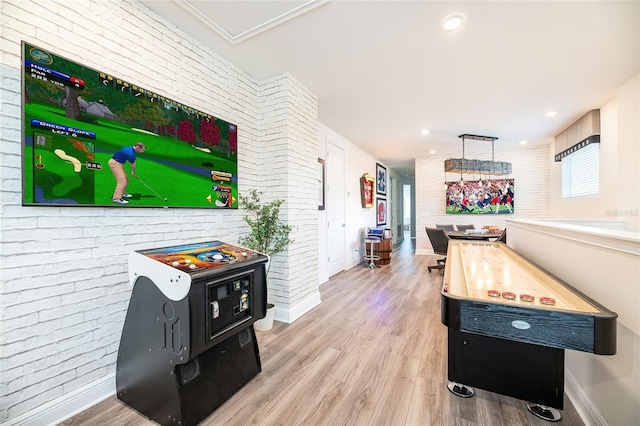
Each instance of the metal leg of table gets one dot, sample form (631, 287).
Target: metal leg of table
(371, 257)
(460, 390)
(546, 413)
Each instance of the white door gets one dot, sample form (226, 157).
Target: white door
(394, 213)
(335, 209)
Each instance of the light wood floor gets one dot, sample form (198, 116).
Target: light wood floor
(372, 353)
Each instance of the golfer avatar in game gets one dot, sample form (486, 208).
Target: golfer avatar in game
(116, 163)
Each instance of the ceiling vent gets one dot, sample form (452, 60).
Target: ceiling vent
(580, 134)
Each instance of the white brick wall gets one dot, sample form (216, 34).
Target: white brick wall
(532, 196)
(65, 287)
(292, 127)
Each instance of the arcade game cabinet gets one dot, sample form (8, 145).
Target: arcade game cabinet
(188, 342)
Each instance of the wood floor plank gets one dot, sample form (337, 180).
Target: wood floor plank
(326, 403)
(367, 376)
(303, 397)
(374, 352)
(425, 405)
(393, 406)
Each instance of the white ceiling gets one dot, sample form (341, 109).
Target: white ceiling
(384, 70)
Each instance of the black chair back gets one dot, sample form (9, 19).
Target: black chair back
(439, 240)
(448, 228)
(465, 227)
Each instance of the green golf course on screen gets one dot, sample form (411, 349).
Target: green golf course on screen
(76, 118)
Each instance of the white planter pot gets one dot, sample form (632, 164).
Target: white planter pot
(267, 322)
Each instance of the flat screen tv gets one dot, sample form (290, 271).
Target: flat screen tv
(75, 118)
(480, 196)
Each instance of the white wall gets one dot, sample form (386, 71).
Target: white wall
(357, 163)
(619, 165)
(610, 384)
(395, 206)
(605, 265)
(628, 204)
(530, 168)
(65, 288)
(288, 171)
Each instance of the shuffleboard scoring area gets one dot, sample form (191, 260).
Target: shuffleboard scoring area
(509, 323)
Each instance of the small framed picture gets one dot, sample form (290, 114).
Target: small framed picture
(381, 211)
(381, 179)
(320, 184)
(366, 190)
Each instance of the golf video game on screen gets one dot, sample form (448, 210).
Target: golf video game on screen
(92, 139)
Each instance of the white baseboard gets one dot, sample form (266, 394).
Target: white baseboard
(583, 405)
(293, 313)
(68, 405)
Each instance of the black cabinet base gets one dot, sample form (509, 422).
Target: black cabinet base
(524, 371)
(187, 393)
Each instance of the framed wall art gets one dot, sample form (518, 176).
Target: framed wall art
(320, 184)
(366, 190)
(381, 179)
(381, 211)
(480, 197)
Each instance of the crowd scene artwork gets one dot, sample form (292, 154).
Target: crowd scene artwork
(480, 196)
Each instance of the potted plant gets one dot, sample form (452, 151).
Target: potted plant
(269, 235)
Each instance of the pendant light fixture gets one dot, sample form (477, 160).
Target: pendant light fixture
(482, 167)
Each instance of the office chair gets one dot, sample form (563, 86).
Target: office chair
(465, 227)
(448, 228)
(440, 243)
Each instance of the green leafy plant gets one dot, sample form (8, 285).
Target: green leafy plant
(269, 234)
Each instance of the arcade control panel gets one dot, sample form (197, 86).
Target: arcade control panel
(197, 257)
(228, 302)
(223, 284)
(174, 268)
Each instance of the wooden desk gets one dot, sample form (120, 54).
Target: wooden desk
(464, 235)
(512, 346)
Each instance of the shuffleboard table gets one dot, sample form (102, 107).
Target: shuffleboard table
(509, 322)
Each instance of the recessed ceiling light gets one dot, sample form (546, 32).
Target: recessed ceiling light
(432, 152)
(523, 142)
(424, 131)
(452, 21)
(551, 113)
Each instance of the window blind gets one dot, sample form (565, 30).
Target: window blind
(581, 172)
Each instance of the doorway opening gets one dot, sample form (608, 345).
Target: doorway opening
(406, 209)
